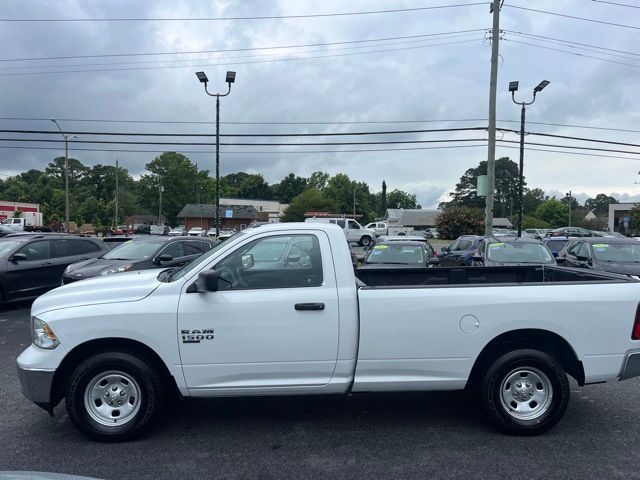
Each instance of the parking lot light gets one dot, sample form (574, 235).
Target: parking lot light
(67, 138)
(230, 78)
(513, 88)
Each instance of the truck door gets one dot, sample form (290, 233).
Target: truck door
(272, 324)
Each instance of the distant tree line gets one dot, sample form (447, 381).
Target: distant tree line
(539, 210)
(93, 191)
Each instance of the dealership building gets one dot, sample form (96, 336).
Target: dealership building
(8, 209)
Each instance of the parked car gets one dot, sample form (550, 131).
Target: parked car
(432, 233)
(4, 231)
(197, 232)
(379, 228)
(401, 238)
(556, 244)
(211, 232)
(597, 233)
(536, 232)
(614, 255)
(159, 229)
(493, 252)
(113, 242)
(176, 231)
(569, 232)
(401, 254)
(352, 229)
(459, 253)
(31, 264)
(509, 335)
(141, 253)
(142, 230)
(501, 232)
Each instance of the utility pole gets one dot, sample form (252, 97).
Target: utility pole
(115, 223)
(160, 201)
(67, 138)
(570, 201)
(493, 86)
(354, 203)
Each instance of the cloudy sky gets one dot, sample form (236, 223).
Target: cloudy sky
(384, 67)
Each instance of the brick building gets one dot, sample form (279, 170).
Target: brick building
(237, 217)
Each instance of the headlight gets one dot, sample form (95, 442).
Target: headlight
(123, 268)
(68, 269)
(42, 336)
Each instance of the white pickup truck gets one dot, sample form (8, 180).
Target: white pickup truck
(277, 310)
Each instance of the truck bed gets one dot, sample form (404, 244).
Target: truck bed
(450, 276)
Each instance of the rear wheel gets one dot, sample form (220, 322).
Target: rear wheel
(525, 392)
(114, 396)
(365, 241)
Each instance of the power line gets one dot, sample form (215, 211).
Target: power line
(567, 137)
(265, 55)
(572, 147)
(232, 63)
(324, 134)
(570, 42)
(246, 49)
(573, 53)
(330, 123)
(262, 17)
(617, 4)
(243, 144)
(582, 154)
(612, 24)
(249, 151)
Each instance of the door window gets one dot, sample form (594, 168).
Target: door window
(175, 249)
(583, 250)
(573, 249)
(67, 248)
(340, 223)
(195, 248)
(90, 247)
(40, 250)
(279, 261)
(353, 225)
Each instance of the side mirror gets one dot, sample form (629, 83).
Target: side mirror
(16, 257)
(433, 262)
(207, 281)
(476, 257)
(561, 260)
(444, 249)
(163, 258)
(247, 261)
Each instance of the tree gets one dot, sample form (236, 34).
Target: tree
(574, 203)
(554, 212)
(318, 180)
(175, 173)
(456, 221)
(308, 201)
(506, 186)
(634, 224)
(289, 187)
(399, 199)
(600, 204)
(249, 185)
(531, 199)
(529, 221)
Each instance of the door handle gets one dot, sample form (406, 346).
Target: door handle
(47, 263)
(309, 306)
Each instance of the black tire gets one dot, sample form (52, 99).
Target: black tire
(365, 241)
(148, 401)
(511, 364)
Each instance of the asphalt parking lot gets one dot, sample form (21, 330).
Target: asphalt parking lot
(434, 435)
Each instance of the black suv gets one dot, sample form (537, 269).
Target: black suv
(31, 264)
(140, 253)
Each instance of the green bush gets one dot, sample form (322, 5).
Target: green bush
(456, 221)
(529, 221)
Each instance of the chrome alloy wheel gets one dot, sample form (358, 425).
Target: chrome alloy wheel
(526, 394)
(112, 398)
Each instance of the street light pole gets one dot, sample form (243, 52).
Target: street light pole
(66, 172)
(231, 78)
(513, 88)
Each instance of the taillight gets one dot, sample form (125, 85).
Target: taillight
(635, 333)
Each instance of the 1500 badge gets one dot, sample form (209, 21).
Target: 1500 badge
(196, 335)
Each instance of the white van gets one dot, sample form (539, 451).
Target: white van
(352, 229)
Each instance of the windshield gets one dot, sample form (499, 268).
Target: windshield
(6, 247)
(397, 254)
(132, 251)
(505, 252)
(617, 252)
(202, 258)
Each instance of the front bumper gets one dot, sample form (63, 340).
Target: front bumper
(36, 385)
(631, 365)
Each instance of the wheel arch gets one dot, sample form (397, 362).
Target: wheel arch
(539, 339)
(87, 349)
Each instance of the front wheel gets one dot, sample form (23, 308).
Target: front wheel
(365, 241)
(113, 396)
(525, 392)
